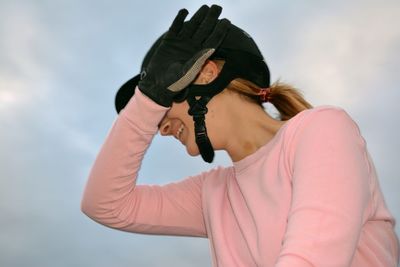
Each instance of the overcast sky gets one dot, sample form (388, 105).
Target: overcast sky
(61, 63)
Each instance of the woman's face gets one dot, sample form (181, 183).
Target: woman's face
(178, 123)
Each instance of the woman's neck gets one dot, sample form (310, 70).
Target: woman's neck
(251, 128)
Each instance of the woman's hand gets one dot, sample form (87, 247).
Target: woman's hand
(182, 52)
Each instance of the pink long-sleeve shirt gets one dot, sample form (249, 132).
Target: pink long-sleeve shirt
(309, 197)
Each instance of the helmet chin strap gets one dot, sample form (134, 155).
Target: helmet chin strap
(198, 110)
(198, 97)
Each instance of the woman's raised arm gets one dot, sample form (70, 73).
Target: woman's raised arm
(111, 196)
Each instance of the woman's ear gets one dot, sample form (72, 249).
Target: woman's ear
(208, 73)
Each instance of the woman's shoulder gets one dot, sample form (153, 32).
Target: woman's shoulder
(320, 111)
(319, 120)
(320, 116)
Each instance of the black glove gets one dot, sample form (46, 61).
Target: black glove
(182, 53)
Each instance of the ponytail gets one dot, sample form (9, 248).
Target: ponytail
(286, 99)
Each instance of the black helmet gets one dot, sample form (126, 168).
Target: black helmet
(242, 59)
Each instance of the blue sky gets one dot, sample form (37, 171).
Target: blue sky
(61, 63)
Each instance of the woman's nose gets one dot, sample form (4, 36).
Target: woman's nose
(165, 128)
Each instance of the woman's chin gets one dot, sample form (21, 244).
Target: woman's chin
(192, 151)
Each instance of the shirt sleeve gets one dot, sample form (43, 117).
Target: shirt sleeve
(331, 191)
(111, 196)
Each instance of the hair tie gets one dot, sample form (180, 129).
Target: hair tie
(265, 94)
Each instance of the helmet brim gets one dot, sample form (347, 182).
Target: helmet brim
(125, 93)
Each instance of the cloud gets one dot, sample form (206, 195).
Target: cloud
(342, 55)
(20, 71)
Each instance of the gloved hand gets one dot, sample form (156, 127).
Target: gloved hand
(182, 53)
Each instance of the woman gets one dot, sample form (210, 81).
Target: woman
(302, 190)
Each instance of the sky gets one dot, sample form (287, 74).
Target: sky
(61, 63)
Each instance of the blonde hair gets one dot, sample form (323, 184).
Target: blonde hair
(287, 99)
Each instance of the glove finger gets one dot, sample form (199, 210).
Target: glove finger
(177, 24)
(191, 26)
(218, 35)
(208, 24)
